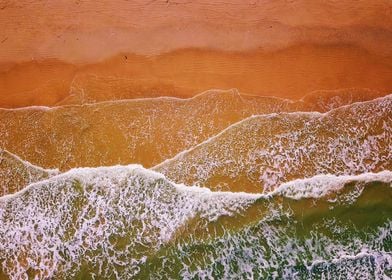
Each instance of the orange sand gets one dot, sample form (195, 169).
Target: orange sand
(89, 31)
(291, 73)
(61, 52)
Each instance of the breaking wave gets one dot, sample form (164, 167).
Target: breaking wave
(129, 222)
(16, 173)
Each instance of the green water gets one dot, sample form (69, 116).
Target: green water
(302, 239)
(129, 224)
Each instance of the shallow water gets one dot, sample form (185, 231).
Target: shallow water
(128, 222)
(262, 152)
(282, 195)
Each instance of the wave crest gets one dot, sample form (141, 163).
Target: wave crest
(116, 219)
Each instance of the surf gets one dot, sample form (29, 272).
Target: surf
(263, 151)
(117, 221)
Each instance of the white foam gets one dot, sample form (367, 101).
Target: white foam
(29, 164)
(138, 125)
(277, 251)
(78, 211)
(271, 149)
(270, 115)
(145, 99)
(16, 173)
(314, 187)
(322, 185)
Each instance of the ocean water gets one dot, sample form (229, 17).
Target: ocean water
(145, 131)
(261, 152)
(282, 195)
(129, 222)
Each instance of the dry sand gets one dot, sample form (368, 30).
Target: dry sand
(107, 50)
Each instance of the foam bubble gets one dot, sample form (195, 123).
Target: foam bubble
(260, 153)
(106, 217)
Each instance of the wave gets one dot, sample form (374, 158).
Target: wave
(323, 185)
(145, 131)
(115, 221)
(326, 100)
(262, 152)
(105, 216)
(348, 236)
(16, 173)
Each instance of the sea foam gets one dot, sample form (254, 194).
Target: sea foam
(113, 219)
(260, 153)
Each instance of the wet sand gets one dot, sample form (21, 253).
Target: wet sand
(290, 73)
(86, 51)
